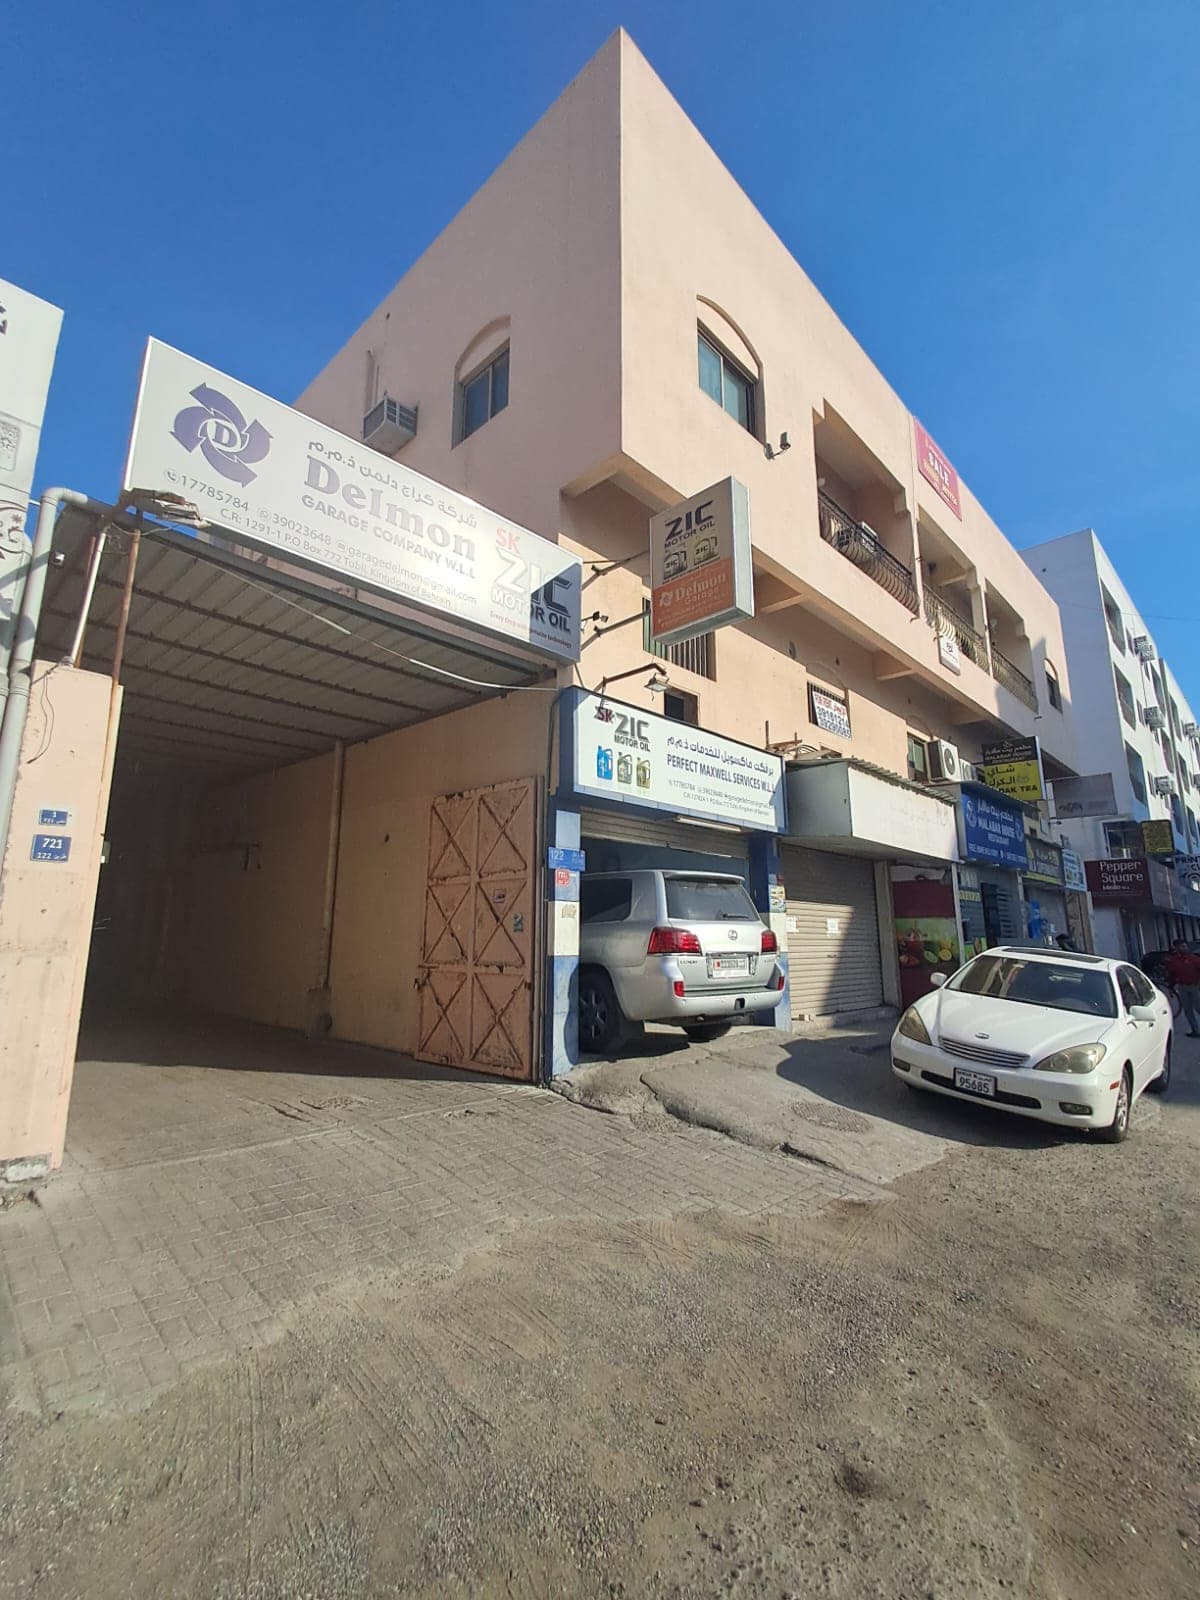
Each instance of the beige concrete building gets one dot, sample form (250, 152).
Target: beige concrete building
(354, 835)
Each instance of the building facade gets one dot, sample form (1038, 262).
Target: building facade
(342, 812)
(1143, 844)
(575, 359)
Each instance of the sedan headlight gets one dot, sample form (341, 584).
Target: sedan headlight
(911, 1026)
(1079, 1058)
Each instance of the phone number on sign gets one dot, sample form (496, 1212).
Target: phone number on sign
(184, 485)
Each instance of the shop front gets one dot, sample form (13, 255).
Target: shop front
(868, 872)
(638, 790)
(994, 856)
(1136, 905)
(1046, 919)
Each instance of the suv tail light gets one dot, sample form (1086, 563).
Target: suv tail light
(770, 943)
(673, 942)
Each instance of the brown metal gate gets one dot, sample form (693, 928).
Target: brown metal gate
(477, 958)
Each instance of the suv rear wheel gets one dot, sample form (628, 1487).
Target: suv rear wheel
(601, 1020)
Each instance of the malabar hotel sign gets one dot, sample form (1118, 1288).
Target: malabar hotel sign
(936, 470)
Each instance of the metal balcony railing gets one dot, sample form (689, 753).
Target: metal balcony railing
(863, 547)
(943, 618)
(1013, 679)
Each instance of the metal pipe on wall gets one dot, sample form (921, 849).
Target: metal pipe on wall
(320, 1021)
(20, 666)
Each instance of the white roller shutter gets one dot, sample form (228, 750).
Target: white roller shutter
(833, 933)
(628, 827)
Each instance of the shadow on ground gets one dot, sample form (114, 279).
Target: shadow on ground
(170, 1037)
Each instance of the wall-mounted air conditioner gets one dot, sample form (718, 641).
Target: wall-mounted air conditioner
(1143, 647)
(1191, 730)
(967, 772)
(944, 765)
(389, 426)
(1163, 784)
(1155, 718)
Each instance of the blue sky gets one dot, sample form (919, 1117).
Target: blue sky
(1001, 201)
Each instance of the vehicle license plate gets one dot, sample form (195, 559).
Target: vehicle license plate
(974, 1082)
(728, 966)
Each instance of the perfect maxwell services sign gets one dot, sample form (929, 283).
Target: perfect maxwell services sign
(273, 477)
(618, 752)
(700, 568)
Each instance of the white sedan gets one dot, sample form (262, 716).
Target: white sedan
(1065, 1038)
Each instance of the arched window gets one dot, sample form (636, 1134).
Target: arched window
(728, 367)
(481, 379)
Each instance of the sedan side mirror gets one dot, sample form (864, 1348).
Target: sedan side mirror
(937, 979)
(1143, 1013)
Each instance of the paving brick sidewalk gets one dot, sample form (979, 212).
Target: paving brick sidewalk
(201, 1205)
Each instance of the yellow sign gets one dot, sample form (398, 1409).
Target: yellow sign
(1021, 780)
(1157, 838)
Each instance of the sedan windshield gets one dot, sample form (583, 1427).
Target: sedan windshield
(1039, 983)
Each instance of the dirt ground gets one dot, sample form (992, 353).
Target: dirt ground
(984, 1382)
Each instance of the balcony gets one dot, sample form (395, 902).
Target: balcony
(1013, 679)
(942, 618)
(864, 548)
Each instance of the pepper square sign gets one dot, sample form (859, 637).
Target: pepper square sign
(700, 570)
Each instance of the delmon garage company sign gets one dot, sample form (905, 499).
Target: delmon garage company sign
(273, 477)
(700, 568)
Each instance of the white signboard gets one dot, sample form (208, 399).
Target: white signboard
(948, 652)
(621, 753)
(273, 477)
(1089, 796)
(1074, 876)
(700, 569)
(29, 330)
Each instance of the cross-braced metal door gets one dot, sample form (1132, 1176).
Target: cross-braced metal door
(477, 958)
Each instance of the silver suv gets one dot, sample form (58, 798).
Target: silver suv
(682, 947)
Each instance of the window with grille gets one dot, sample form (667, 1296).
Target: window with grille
(698, 655)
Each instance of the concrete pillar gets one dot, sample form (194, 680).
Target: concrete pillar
(769, 895)
(561, 1041)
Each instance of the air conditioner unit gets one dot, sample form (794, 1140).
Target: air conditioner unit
(1191, 730)
(967, 773)
(389, 426)
(944, 765)
(1163, 784)
(1155, 718)
(1143, 647)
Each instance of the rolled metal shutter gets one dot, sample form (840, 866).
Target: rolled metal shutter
(665, 833)
(833, 933)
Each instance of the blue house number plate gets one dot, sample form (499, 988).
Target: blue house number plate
(50, 847)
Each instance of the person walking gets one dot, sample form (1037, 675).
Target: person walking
(1183, 972)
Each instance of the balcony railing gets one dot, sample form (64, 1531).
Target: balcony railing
(943, 618)
(860, 545)
(1013, 679)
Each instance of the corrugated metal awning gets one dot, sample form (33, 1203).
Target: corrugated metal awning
(233, 666)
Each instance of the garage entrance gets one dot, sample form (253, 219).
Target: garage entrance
(291, 838)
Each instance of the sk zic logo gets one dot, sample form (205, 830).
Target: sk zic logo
(219, 428)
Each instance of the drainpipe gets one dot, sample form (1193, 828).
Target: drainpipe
(20, 667)
(319, 1019)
